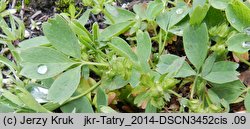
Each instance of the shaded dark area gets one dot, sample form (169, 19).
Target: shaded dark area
(44, 5)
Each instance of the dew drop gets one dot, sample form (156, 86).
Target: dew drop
(179, 11)
(247, 31)
(42, 69)
(245, 44)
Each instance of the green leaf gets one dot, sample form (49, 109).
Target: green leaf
(34, 42)
(95, 31)
(135, 78)
(247, 101)
(220, 4)
(198, 3)
(238, 15)
(33, 58)
(81, 105)
(6, 29)
(144, 47)
(178, 28)
(140, 10)
(13, 98)
(153, 9)
(107, 109)
(65, 85)
(175, 67)
(236, 43)
(114, 30)
(168, 59)
(114, 83)
(80, 30)
(196, 43)
(60, 35)
(223, 72)
(85, 72)
(46, 83)
(210, 19)
(30, 102)
(84, 86)
(150, 108)
(218, 101)
(213, 97)
(3, 5)
(72, 11)
(111, 9)
(208, 65)
(226, 105)
(199, 14)
(228, 91)
(178, 13)
(102, 99)
(122, 47)
(163, 20)
(5, 108)
(118, 14)
(139, 99)
(12, 66)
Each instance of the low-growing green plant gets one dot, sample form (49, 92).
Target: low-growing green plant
(74, 69)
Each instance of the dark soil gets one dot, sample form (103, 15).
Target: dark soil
(44, 5)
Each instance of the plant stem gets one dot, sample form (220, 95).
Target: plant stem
(242, 59)
(96, 70)
(153, 25)
(164, 42)
(160, 42)
(176, 94)
(13, 4)
(193, 87)
(94, 63)
(188, 2)
(102, 54)
(83, 94)
(246, 90)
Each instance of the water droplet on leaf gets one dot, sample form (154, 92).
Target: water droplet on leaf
(245, 44)
(247, 30)
(42, 69)
(179, 11)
